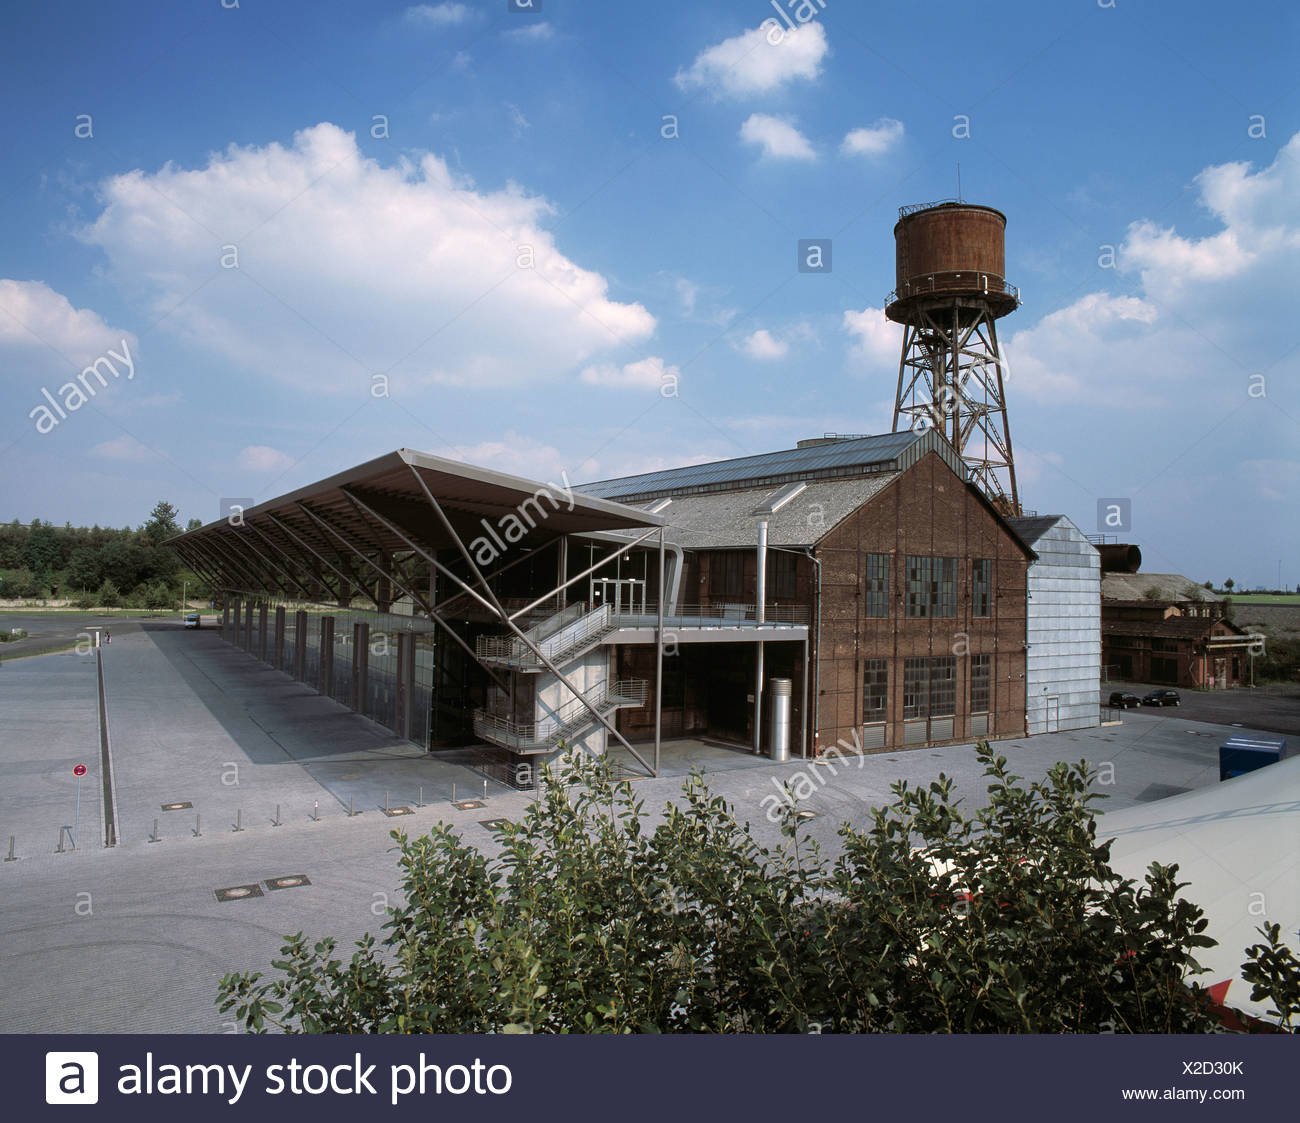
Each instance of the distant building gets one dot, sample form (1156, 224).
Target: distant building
(1164, 628)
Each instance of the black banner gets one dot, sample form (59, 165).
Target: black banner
(137, 1077)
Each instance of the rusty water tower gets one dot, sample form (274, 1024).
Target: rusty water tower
(950, 260)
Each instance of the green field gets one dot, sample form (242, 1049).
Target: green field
(1263, 598)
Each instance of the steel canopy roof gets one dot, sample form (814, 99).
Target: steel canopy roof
(477, 502)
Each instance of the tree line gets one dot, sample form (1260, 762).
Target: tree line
(98, 566)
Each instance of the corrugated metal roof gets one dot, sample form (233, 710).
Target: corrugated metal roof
(1030, 528)
(853, 457)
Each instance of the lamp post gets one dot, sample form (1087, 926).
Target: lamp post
(184, 589)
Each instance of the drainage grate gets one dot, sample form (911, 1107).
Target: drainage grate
(290, 881)
(494, 824)
(238, 892)
(391, 811)
(179, 806)
(469, 804)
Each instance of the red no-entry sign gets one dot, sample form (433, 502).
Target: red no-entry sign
(80, 770)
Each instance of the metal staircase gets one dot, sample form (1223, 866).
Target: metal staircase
(561, 638)
(566, 724)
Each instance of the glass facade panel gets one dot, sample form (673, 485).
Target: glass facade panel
(931, 586)
(930, 687)
(981, 667)
(875, 690)
(875, 586)
(981, 587)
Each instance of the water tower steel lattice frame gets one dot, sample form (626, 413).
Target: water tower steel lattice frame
(950, 261)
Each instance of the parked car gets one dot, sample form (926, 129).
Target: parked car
(1161, 698)
(1123, 700)
(193, 620)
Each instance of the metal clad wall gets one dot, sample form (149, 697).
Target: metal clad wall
(1064, 630)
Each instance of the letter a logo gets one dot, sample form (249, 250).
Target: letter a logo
(72, 1078)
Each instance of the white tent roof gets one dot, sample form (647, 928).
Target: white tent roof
(1237, 844)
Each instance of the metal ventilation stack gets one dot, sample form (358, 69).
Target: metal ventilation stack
(950, 259)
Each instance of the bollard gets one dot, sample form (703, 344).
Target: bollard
(419, 799)
(154, 837)
(315, 811)
(198, 831)
(351, 813)
(385, 801)
(276, 823)
(239, 819)
(453, 791)
(12, 857)
(59, 849)
(484, 791)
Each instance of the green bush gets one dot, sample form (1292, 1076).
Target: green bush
(930, 920)
(159, 596)
(18, 583)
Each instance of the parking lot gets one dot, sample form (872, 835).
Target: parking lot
(1274, 708)
(134, 938)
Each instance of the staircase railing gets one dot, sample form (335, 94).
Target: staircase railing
(570, 636)
(566, 723)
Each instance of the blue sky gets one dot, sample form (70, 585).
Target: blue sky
(464, 230)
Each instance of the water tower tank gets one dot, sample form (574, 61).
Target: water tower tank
(945, 250)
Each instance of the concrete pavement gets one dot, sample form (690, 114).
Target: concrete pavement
(135, 938)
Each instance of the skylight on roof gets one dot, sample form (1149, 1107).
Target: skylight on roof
(780, 498)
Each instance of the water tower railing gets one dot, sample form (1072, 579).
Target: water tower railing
(953, 280)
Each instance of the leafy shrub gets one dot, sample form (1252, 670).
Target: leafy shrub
(930, 920)
(19, 583)
(159, 596)
(108, 595)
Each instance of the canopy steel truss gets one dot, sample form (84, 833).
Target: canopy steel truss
(322, 540)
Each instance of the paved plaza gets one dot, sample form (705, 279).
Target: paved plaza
(134, 938)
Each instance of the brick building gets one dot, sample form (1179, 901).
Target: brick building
(913, 586)
(1164, 628)
(863, 585)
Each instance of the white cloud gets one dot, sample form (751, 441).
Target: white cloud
(347, 267)
(540, 32)
(874, 140)
(1194, 325)
(1059, 356)
(125, 448)
(777, 137)
(876, 340)
(34, 316)
(1273, 479)
(764, 346)
(648, 373)
(518, 121)
(525, 456)
(687, 292)
(437, 15)
(757, 62)
(262, 458)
